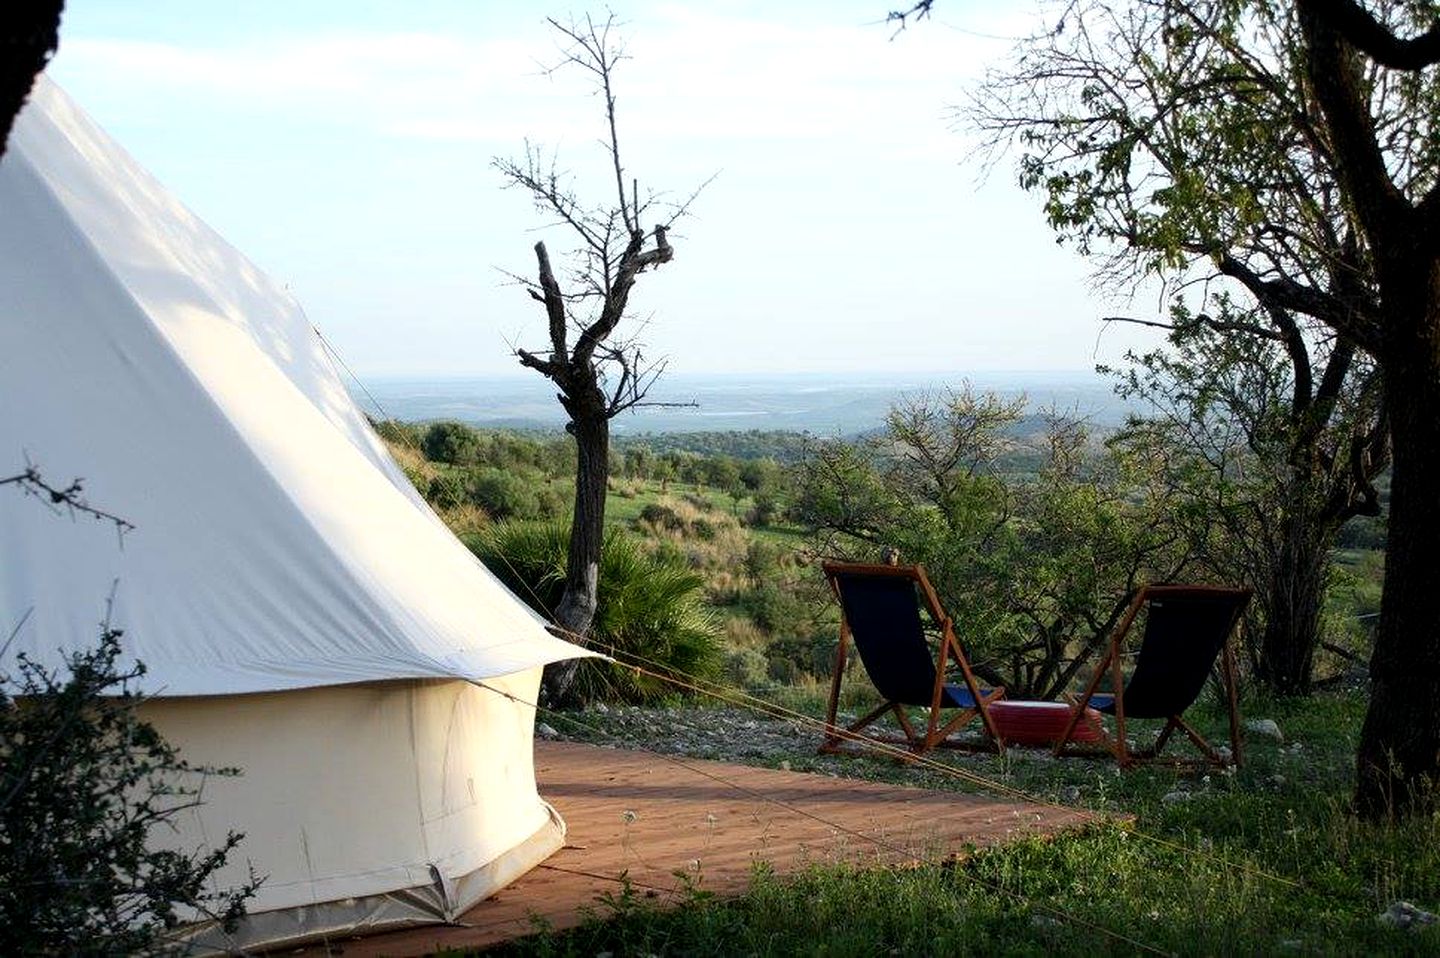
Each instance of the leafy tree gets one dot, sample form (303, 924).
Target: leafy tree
(85, 786)
(1390, 180)
(638, 462)
(759, 474)
(765, 510)
(503, 493)
(1037, 568)
(1271, 447)
(1288, 149)
(451, 442)
(598, 376)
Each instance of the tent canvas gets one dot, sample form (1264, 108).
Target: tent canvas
(301, 611)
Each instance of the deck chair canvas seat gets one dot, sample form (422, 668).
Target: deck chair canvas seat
(1187, 627)
(880, 612)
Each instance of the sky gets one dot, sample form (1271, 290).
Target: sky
(346, 147)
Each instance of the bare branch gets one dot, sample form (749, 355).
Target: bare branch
(554, 304)
(546, 367)
(69, 498)
(901, 18)
(1222, 325)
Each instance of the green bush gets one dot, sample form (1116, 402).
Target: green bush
(83, 784)
(802, 655)
(783, 670)
(452, 442)
(774, 607)
(444, 491)
(551, 502)
(662, 516)
(762, 562)
(746, 668)
(650, 612)
(1362, 532)
(401, 433)
(766, 510)
(503, 494)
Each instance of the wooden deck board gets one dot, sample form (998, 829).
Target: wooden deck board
(650, 816)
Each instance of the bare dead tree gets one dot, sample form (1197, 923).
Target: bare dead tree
(598, 374)
(29, 34)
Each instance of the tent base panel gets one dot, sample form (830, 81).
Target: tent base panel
(440, 902)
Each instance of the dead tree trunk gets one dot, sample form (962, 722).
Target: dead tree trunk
(590, 425)
(576, 371)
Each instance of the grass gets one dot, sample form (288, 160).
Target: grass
(629, 496)
(1266, 860)
(1263, 861)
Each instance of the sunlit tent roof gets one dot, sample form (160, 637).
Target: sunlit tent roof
(276, 544)
(304, 616)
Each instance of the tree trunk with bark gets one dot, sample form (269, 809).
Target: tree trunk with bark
(1292, 598)
(1398, 762)
(590, 425)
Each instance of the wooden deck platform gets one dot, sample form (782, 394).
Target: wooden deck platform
(649, 816)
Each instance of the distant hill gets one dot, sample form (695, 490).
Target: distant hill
(821, 404)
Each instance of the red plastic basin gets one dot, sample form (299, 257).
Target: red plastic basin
(1042, 723)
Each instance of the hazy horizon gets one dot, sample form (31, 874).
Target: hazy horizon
(805, 401)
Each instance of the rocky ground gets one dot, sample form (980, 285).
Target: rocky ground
(725, 734)
(791, 742)
(753, 738)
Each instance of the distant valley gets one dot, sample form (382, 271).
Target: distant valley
(821, 404)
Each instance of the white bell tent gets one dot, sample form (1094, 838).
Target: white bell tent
(302, 613)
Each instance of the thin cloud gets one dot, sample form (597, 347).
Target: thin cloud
(692, 75)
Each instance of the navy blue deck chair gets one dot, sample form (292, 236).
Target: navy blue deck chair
(1187, 627)
(880, 611)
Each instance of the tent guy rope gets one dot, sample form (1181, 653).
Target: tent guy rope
(743, 699)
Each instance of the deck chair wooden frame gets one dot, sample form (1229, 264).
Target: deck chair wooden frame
(1117, 745)
(936, 732)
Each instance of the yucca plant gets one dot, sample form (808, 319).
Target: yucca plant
(650, 614)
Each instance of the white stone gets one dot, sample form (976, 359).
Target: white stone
(1402, 914)
(1266, 728)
